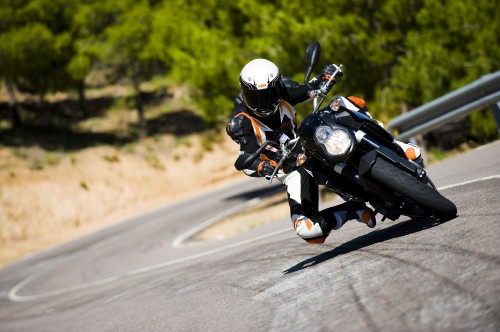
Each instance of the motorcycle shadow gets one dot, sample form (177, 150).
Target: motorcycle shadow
(398, 230)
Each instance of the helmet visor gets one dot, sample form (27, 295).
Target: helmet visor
(263, 102)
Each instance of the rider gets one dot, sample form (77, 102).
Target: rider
(264, 111)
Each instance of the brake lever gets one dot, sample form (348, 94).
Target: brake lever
(277, 168)
(286, 152)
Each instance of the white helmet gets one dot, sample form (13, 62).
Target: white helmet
(261, 86)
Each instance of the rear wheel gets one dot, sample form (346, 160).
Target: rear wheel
(421, 194)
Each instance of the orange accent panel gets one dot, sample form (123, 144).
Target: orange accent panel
(259, 167)
(295, 224)
(410, 153)
(288, 108)
(309, 224)
(261, 164)
(358, 101)
(255, 127)
(367, 215)
(317, 240)
(327, 78)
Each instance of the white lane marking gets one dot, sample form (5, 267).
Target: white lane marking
(486, 178)
(24, 298)
(118, 296)
(13, 296)
(150, 223)
(181, 238)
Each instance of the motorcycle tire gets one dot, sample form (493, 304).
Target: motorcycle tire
(421, 194)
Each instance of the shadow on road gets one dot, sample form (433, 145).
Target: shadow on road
(398, 230)
(262, 192)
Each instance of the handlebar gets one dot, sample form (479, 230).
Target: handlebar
(286, 149)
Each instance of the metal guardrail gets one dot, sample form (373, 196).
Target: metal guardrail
(457, 104)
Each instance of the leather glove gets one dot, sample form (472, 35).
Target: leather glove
(266, 167)
(328, 71)
(320, 80)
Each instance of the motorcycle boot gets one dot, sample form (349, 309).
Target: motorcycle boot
(350, 210)
(313, 230)
(366, 216)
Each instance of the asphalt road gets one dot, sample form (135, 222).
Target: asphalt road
(144, 274)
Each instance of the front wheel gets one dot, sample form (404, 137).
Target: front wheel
(421, 194)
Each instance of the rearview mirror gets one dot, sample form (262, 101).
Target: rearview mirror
(312, 56)
(313, 52)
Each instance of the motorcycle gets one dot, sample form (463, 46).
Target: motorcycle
(355, 157)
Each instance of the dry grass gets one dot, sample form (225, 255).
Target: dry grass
(97, 186)
(49, 195)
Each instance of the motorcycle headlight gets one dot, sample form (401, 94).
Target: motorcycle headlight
(336, 141)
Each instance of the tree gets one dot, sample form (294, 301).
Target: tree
(397, 54)
(27, 55)
(35, 46)
(195, 40)
(454, 43)
(115, 37)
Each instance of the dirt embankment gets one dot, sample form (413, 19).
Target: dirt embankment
(81, 192)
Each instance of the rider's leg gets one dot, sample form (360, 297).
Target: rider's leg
(303, 198)
(314, 227)
(349, 210)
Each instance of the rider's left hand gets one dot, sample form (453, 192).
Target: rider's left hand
(266, 167)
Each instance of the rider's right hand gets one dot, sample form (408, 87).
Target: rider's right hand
(328, 71)
(320, 81)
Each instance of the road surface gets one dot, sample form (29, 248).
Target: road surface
(145, 274)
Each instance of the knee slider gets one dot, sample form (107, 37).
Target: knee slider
(307, 230)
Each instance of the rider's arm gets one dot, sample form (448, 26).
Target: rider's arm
(247, 140)
(295, 92)
(245, 152)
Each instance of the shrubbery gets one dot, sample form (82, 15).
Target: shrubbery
(397, 54)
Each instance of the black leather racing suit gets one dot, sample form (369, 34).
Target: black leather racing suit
(250, 131)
